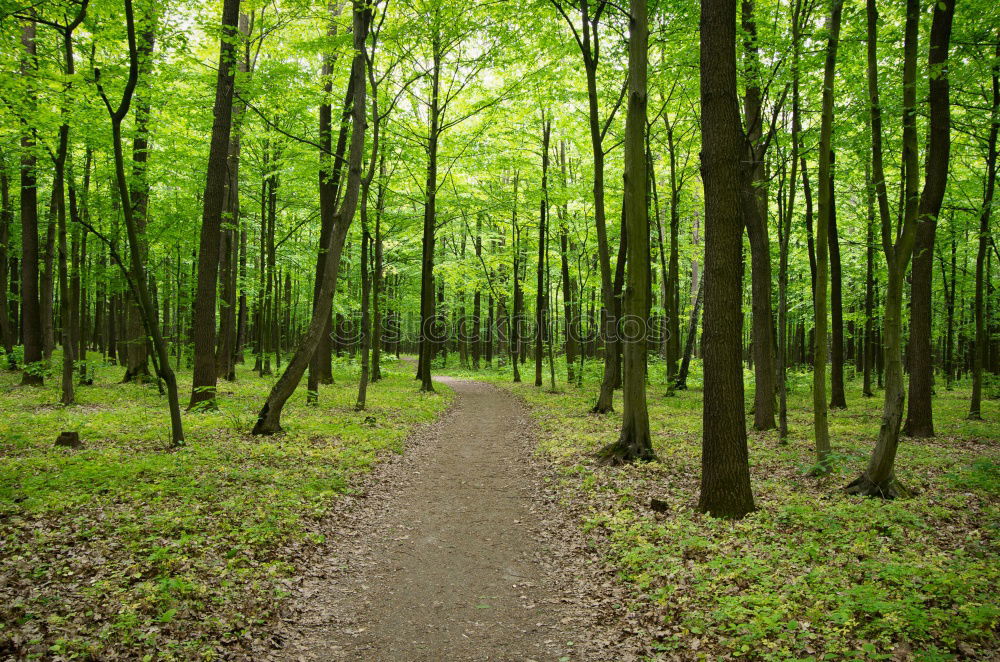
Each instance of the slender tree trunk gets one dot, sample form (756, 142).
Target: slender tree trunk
(879, 478)
(572, 320)
(754, 207)
(204, 379)
(920, 408)
(225, 356)
(427, 314)
(838, 399)
(329, 186)
(982, 337)
(543, 213)
(139, 286)
(31, 316)
(725, 471)
(67, 303)
(634, 442)
(821, 428)
(681, 382)
(136, 352)
(869, 338)
(672, 275)
(46, 280)
(589, 43)
(269, 419)
(7, 330)
(515, 321)
(380, 322)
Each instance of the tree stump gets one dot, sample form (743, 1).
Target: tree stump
(69, 439)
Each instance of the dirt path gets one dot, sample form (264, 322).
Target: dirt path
(452, 555)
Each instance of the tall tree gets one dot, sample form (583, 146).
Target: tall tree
(543, 214)
(982, 337)
(754, 209)
(31, 316)
(920, 408)
(205, 375)
(330, 174)
(136, 344)
(59, 193)
(879, 477)
(634, 442)
(138, 286)
(821, 427)
(725, 468)
(838, 398)
(269, 418)
(588, 40)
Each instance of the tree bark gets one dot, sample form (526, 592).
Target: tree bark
(725, 471)
(427, 313)
(543, 213)
(821, 428)
(920, 409)
(136, 344)
(838, 399)
(634, 442)
(204, 378)
(754, 208)
(329, 186)
(982, 337)
(269, 419)
(31, 316)
(8, 335)
(879, 477)
(138, 286)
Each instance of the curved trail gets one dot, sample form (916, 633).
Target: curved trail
(454, 554)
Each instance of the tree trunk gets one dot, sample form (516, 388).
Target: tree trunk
(838, 399)
(634, 442)
(427, 314)
(138, 286)
(7, 330)
(869, 333)
(879, 477)
(377, 278)
(821, 428)
(543, 213)
(204, 378)
(136, 352)
(681, 383)
(31, 316)
(725, 471)
(225, 356)
(982, 338)
(329, 186)
(754, 208)
(920, 409)
(269, 419)
(572, 320)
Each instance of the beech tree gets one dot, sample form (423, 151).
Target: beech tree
(725, 470)
(879, 477)
(205, 372)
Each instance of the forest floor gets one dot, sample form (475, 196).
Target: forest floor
(475, 524)
(125, 549)
(458, 552)
(812, 574)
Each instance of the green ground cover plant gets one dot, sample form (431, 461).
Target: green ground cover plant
(812, 574)
(124, 548)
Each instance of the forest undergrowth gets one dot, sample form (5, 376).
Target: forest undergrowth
(813, 574)
(124, 549)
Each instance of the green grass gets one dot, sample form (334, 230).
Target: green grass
(124, 545)
(813, 574)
